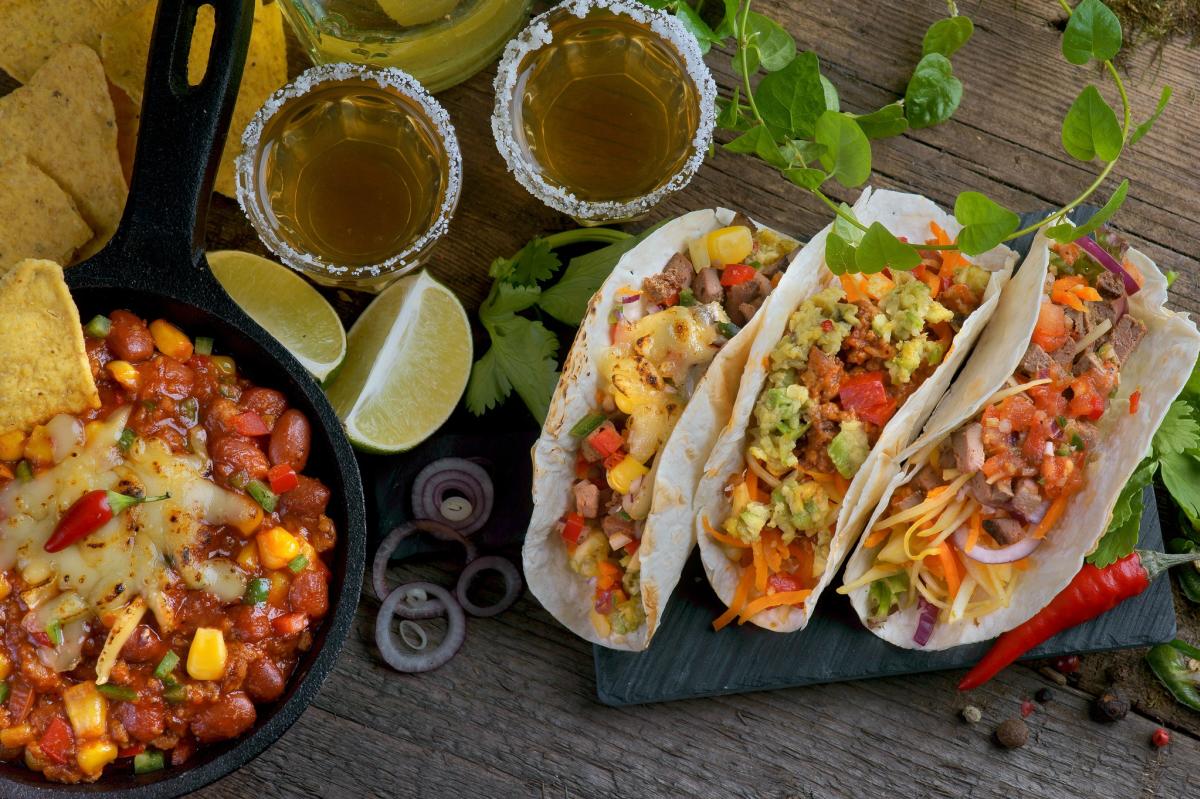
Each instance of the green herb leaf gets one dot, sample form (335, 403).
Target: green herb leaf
(805, 177)
(726, 27)
(759, 141)
(801, 151)
(1172, 276)
(1067, 232)
(773, 45)
(947, 36)
(688, 17)
(535, 261)
(933, 93)
(567, 300)
(522, 358)
(847, 155)
(832, 103)
(1093, 31)
(504, 300)
(488, 385)
(1144, 128)
(985, 222)
(842, 227)
(840, 255)
(1122, 534)
(791, 100)
(1181, 476)
(1090, 128)
(880, 249)
(730, 115)
(884, 123)
(1179, 431)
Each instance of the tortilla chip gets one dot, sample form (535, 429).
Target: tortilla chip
(46, 369)
(63, 122)
(37, 218)
(126, 42)
(32, 30)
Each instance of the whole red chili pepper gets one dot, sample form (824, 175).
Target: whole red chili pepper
(1092, 592)
(89, 513)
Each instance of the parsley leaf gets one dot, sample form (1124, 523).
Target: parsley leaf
(1122, 534)
(1181, 476)
(1179, 431)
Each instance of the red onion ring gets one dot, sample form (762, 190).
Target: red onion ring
(502, 566)
(628, 298)
(409, 662)
(453, 474)
(388, 546)
(1103, 258)
(925, 621)
(1008, 554)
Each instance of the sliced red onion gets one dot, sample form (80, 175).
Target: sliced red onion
(1008, 554)
(628, 298)
(435, 481)
(1106, 260)
(925, 621)
(384, 554)
(412, 662)
(618, 540)
(502, 566)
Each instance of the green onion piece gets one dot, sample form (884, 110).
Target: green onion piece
(297, 564)
(258, 589)
(24, 472)
(203, 345)
(98, 327)
(54, 632)
(587, 424)
(126, 440)
(189, 409)
(4, 689)
(240, 479)
(121, 693)
(728, 329)
(148, 761)
(166, 665)
(686, 298)
(1076, 441)
(262, 495)
(173, 692)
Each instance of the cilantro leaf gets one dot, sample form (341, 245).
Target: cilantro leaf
(1179, 431)
(567, 300)
(1181, 476)
(533, 262)
(504, 300)
(527, 352)
(488, 385)
(1122, 534)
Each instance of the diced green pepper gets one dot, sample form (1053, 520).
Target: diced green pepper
(147, 762)
(98, 327)
(189, 410)
(203, 345)
(4, 689)
(121, 693)
(587, 424)
(126, 440)
(257, 591)
(166, 665)
(728, 329)
(686, 298)
(173, 692)
(54, 632)
(24, 472)
(262, 495)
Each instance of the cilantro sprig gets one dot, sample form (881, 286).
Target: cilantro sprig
(792, 120)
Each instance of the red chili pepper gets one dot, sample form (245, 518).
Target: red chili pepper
(89, 513)
(1092, 592)
(290, 623)
(250, 423)
(632, 546)
(573, 527)
(282, 478)
(56, 740)
(737, 274)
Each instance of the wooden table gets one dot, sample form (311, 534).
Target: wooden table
(515, 713)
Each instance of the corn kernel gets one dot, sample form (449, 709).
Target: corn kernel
(93, 756)
(170, 340)
(225, 365)
(252, 522)
(39, 448)
(280, 583)
(17, 735)
(5, 587)
(5, 666)
(12, 445)
(621, 476)
(207, 655)
(730, 245)
(126, 374)
(87, 710)
(34, 761)
(276, 547)
(92, 429)
(247, 557)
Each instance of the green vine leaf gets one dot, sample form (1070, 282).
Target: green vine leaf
(880, 249)
(1093, 31)
(1144, 128)
(806, 178)
(840, 255)
(1067, 232)
(772, 47)
(947, 36)
(1090, 128)
(933, 93)
(847, 155)
(791, 100)
(985, 222)
(884, 123)
(759, 141)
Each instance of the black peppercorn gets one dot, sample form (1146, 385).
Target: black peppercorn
(1012, 733)
(1110, 706)
(1044, 695)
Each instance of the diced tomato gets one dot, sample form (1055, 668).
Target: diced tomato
(1034, 445)
(1049, 399)
(614, 460)
(736, 274)
(1056, 474)
(283, 478)
(249, 423)
(130, 751)
(1006, 464)
(632, 546)
(1087, 403)
(784, 582)
(573, 527)
(1051, 332)
(581, 466)
(862, 391)
(605, 440)
(672, 300)
(879, 414)
(1135, 399)
(609, 574)
(290, 623)
(56, 741)
(604, 601)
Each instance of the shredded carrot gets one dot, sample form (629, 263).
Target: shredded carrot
(841, 483)
(934, 282)
(976, 530)
(877, 537)
(739, 600)
(776, 278)
(756, 606)
(951, 259)
(850, 285)
(771, 552)
(950, 567)
(820, 477)
(936, 491)
(1052, 516)
(766, 361)
(760, 566)
(803, 555)
(1135, 399)
(752, 485)
(944, 332)
(722, 537)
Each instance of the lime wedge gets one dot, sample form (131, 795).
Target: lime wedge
(286, 305)
(409, 358)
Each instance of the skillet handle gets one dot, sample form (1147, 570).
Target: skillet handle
(181, 133)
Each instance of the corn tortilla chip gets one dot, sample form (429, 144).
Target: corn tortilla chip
(46, 369)
(62, 121)
(126, 42)
(32, 30)
(37, 218)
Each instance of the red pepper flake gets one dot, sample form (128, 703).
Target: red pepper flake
(1160, 738)
(1135, 399)
(1027, 708)
(827, 325)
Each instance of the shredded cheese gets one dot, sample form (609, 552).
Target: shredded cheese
(870, 576)
(930, 504)
(1098, 331)
(1005, 393)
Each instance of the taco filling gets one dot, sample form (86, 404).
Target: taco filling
(664, 334)
(956, 538)
(851, 356)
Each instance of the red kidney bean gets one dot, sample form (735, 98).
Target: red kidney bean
(266, 402)
(218, 417)
(290, 440)
(228, 717)
(129, 337)
(307, 499)
(144, 720)
(310, 593)
(251, 623)
(264, 681)
(233, 454)
(144, 646)
(165, 376)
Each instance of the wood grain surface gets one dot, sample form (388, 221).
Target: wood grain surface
(515, 715)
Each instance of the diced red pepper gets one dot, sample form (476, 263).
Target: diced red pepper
(249, 423)
(878, 414)
(827, 325)
(130, 751)
(283, 478)
(865, 395)
(41, 638)
(605, 440)
(614, 460)
(736, 274)
(672, 300)
(1135, 399)
(609, 574)
(573, 527)
(581, 466)
(290, 623)
(632, 546)
(1087, 402)
(56, 741)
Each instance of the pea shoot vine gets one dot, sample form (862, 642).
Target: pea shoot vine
(792, 120)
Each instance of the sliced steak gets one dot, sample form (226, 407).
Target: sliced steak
(1109, 285)
(740, 219)
(1035, 360)
(1077, 321)
(707, 286)
(1064, 356)
(968, 447)
(1088, 362)
(1126, 336)
(1027, 500)
(613, 525)
(587, 499)
(746, 293)
(926, 479)
(993, 496)
(1097, 312)
(675, 276)
(1005, 531)
(1086, 431)
(779, 264)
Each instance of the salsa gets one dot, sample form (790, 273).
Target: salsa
(140, 676)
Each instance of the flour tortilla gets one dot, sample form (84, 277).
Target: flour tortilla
(1159, 368)
(667, 537)
(906, 215)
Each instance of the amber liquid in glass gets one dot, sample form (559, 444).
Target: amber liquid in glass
(352, 173)
(607, 109)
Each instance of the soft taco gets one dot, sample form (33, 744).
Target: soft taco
(841, 376)
(1015, 478)
(648, 383)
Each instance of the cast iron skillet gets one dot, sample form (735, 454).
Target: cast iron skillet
(155, 266)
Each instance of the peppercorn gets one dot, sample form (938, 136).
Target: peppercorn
(1012, 733)
(1044, 695)
(1110, 706)
(1160, 738)
(1027, 708)
(972, 714)
(1067, 664)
